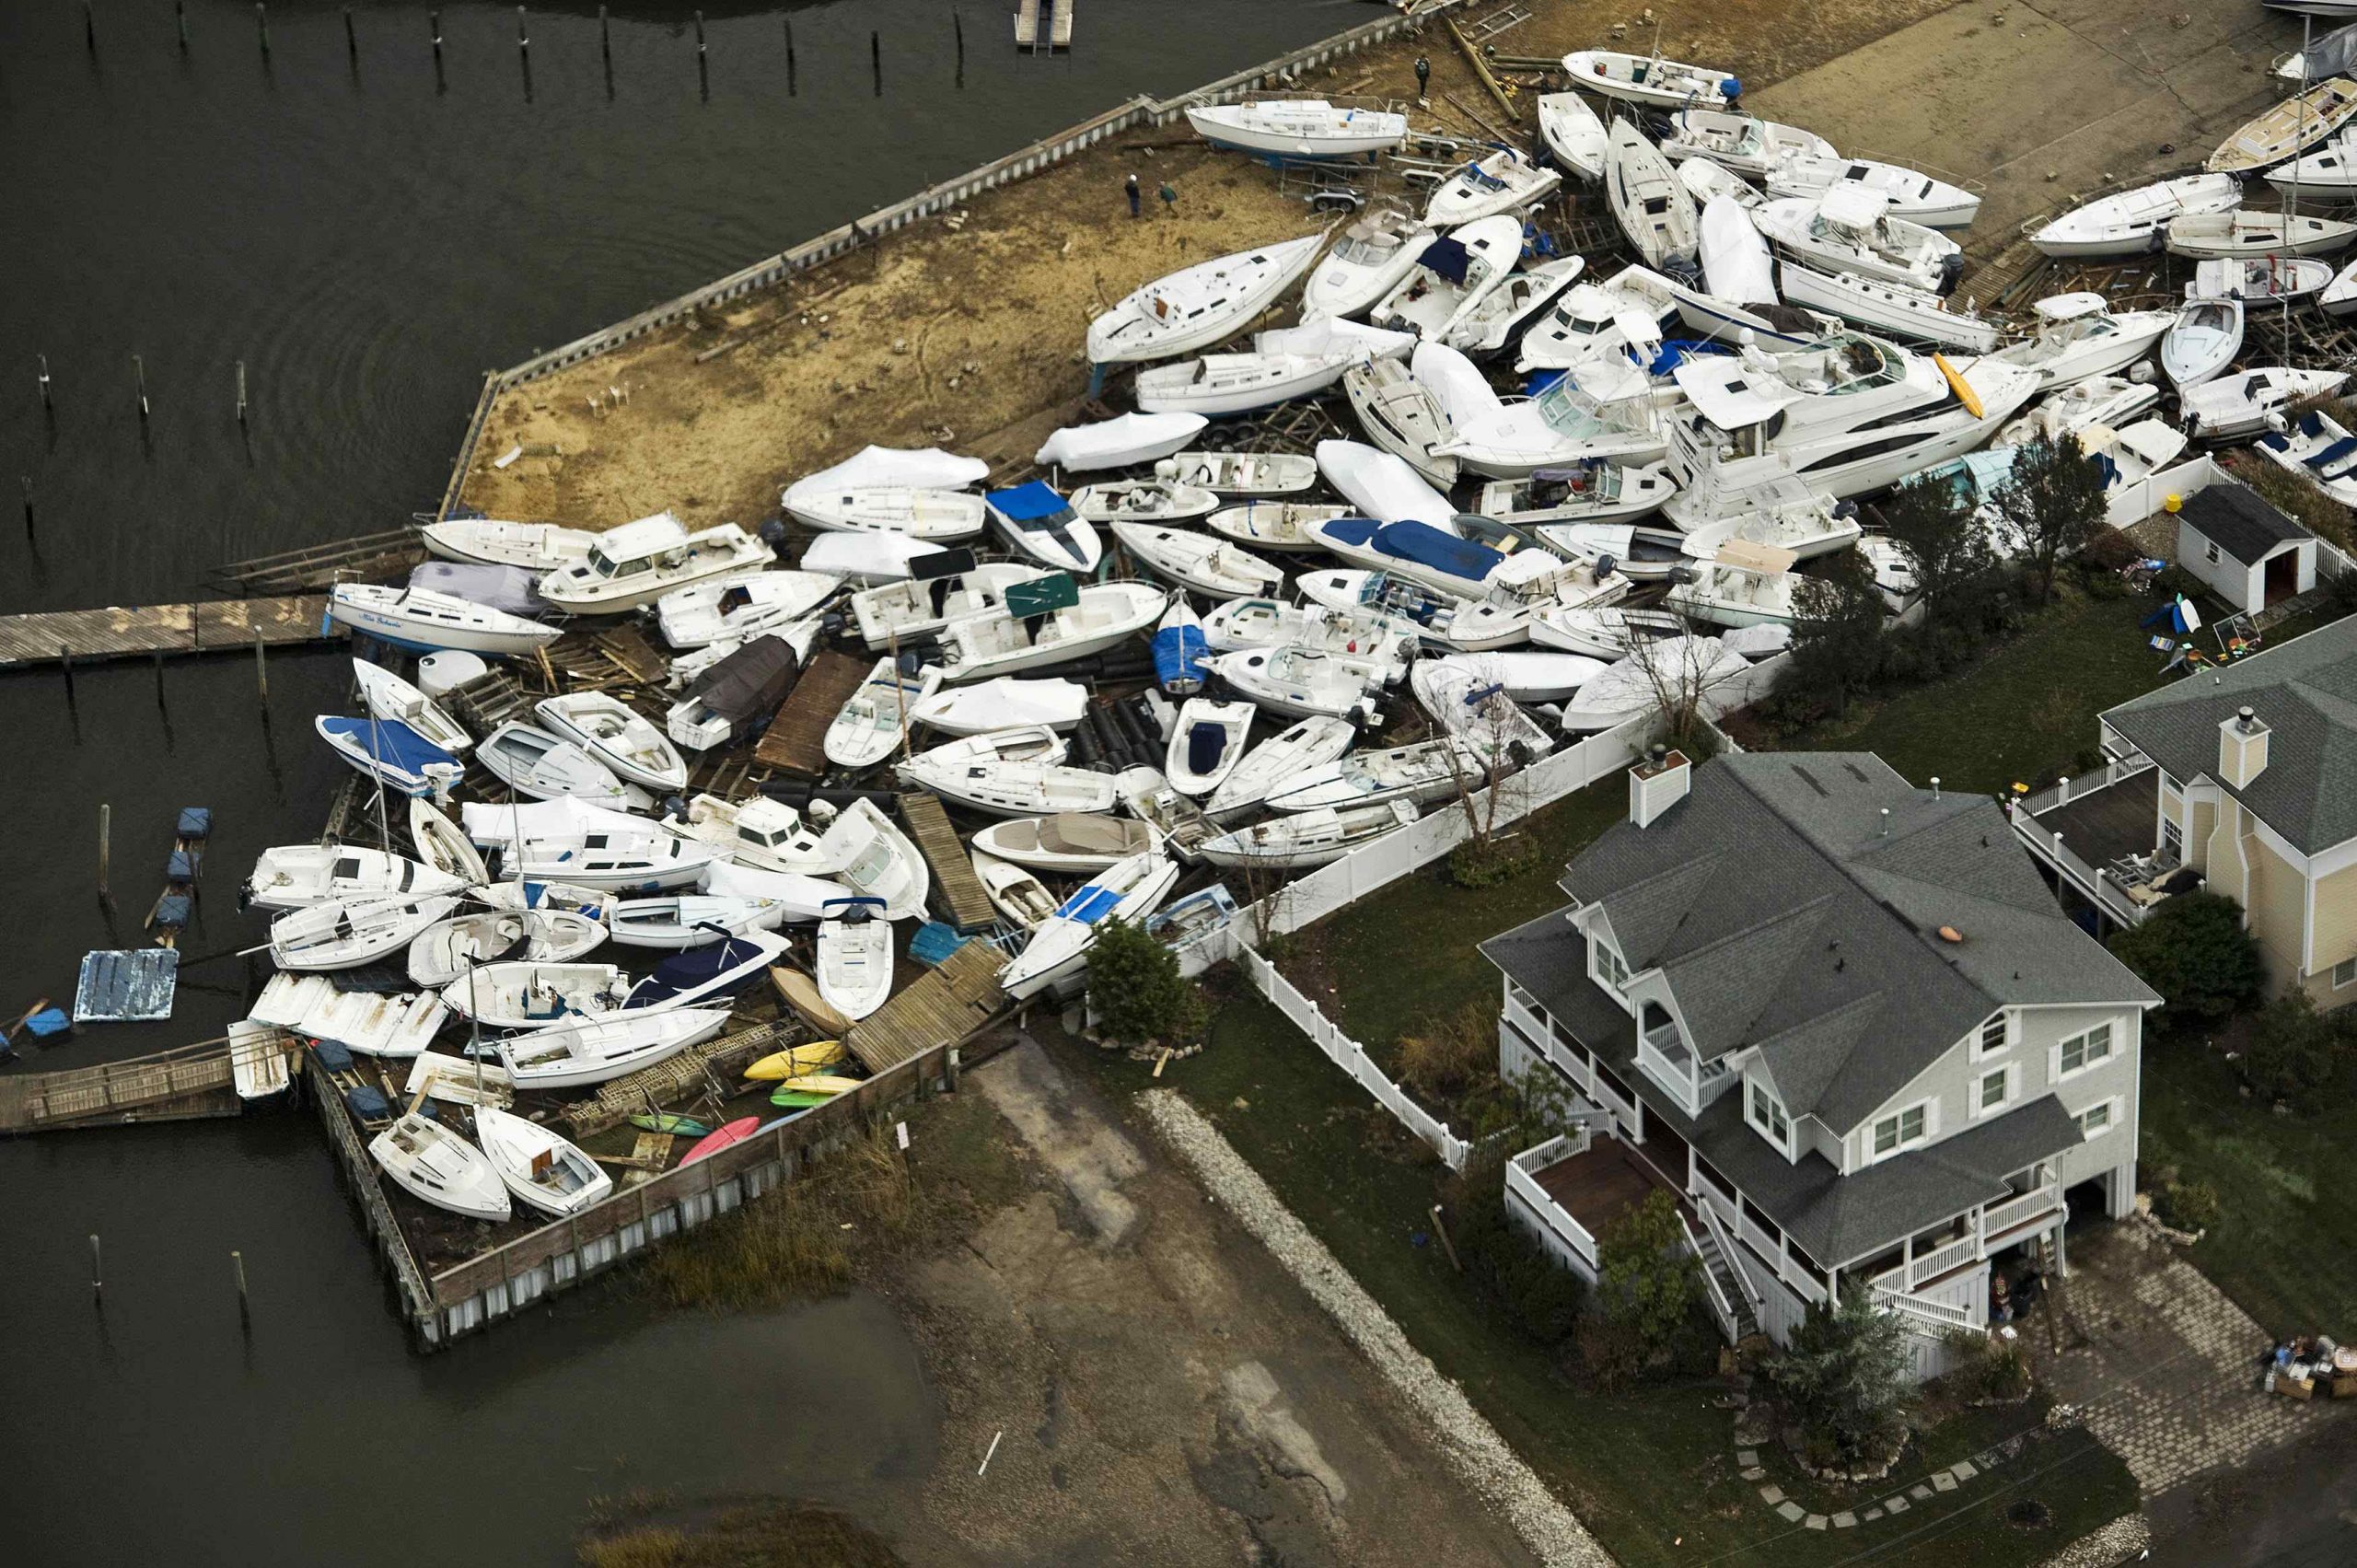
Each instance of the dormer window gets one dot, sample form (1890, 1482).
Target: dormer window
(1605, 967)
(1996, 1034)
(1766, 1114)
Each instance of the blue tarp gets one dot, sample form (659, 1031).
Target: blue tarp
(934, 942)
(393, 744)
(195, 822)
(1088, 906)
(1438, 549)
(1178, 654)
(1029, 503)
(49, 1021)
(697, 967)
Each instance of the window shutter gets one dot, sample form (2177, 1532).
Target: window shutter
(2054, 1062)
(1931, 1121)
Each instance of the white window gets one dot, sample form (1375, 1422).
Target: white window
(1996, 1034)
(1765, 1114)
(2172, 840)
(2083, 1051)
(2344, 974)
(1903, 1130)
(2100, 1118)
(1993, 1090)
(1605, 966)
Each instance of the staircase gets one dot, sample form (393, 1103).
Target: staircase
(1726, 1288)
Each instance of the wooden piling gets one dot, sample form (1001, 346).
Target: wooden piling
(523, 38)
(179, 15)
(139, 378)
(161, 706)
(261, 675)
(241, 392)
(91, 37)
(703, 65)
(1440, 1228)
(106, 844)
(65, 662)
(262, 27)
(699, 33)
(957, 31)
(237, 1267)
(1482, 70)
(351, 39)
(27, 481)
(46, 407)
(434, 25)
(97, 1286)
(790, 89)
(876, 60)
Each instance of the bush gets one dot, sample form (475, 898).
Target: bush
(1649, 1280)
(1988, 1367)
(1612, 1351)
(2194, 951)
(1450, 1051)
(1538, 1295)
(1485, 863)
(2181, 1205)
(1136, 989)
(1844, 1375)
(2296, 1056)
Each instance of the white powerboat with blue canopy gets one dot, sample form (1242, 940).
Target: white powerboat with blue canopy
(1039, 523)
(390, 752)
(1413, 550)
(1127, 891)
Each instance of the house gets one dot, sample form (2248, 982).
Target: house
(2249, 553)
(1841, 1021)
(2244, 777)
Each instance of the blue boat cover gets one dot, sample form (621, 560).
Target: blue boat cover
(392, 744)
(1438, 549)
(1029, 503)
(334, 1055)
(1088, 906)
(1204, 744)
(685, 971)
(1446, 257)
(1353, 530)
(195, 822)
(1179, 654)
(367, 1102)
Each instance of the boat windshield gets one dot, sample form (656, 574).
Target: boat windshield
(603, 565)
(1371, 250)
(1840, 365)
(1569, 411)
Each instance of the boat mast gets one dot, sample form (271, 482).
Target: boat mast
(2299, 137)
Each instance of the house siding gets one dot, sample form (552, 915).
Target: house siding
(2277, 907)
(2203, 823)
(2224, 865)
(2336, 930)
(2112, 1152)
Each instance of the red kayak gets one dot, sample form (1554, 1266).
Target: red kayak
(736, 1131)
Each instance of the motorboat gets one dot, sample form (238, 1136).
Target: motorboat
(1014, 890)
(922, 494)
(1679, 667)
(1206, 744)
(586, 845)
(296, 876)
(856, 844)
(1735, 263)
(1418, 552)
(1452, 275)
(1901, 309)
(1600, 410)
(1739, 142)
(1144, 500)
(1654, 209)
(1302, 684)
(1442, 618)
(1705, 181)
(1641, 553)
(394, 1028)
(1009, 772)
(1251, 474)
(1504, 181)
(537, 1165)
(2099, 401)
(2202, 340)
(1403, 417)
(521, 994)
(1007, 701)
(2133, 453)
(1196, 561)
(444, 845)
(537, 548)
(876, 721)
(640, 562)
(624, 740)
(258, 1060)
(2131, 222)
(2317, 447)
(1218, 384)
(531, 761)
(1298, 127)
(1177, 823)
(1199, 305)
(1757, 643)
(691, 920)
(2329, 53)
(1597, 491)
(1002, 641)
(916, 611)
(2259, 280)
(426, 619)
(2256, 232)
(1381, 484)
(798, 897)
(1594, 321)
(1737, 596)
(1301, 838)
(578, 1052)
(735, 695)
(854, 953)
(433, 1164)
(1386, 641)
(1604, 632)
(1420, 772)
(1374, 254)
(1492, 322)
(1066, 844)
(1651, 80)
(2079, 336)
(1914, 195)
(2226, 407)
(1849, 229)
(1524, 676)
(1039, 524)
(869, 556)
(1126, 892)
(390, 752)
(1788, 517)
(704, 974)
(1274, 525)
(388, 696)
(736, 607)
(1572, 134)
(1775, 328)
(1125, 441)
(2327, 173)
(1474, 709)
(2287, 130)
(348, 933)
(1308, 745)
(441, 953)
(1178, 650)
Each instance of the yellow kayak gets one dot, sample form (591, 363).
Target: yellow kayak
(795, 1063)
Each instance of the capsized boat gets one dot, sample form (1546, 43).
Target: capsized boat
(1206, 744)
(294, 876)
(441, 953)
(578, 1052)
(388, 696)
(626, 741)
(854, 957)
(1199, 305)
(1301, 838)
(427, 619)
(258, 1060)
(876, 721)
(537, 1167)
(640, 562)
(428, 1161)
(1126, 892)
(797, 896)
(796, 1061)
(1007, 703)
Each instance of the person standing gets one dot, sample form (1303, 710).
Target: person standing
(1423, 79)
(1169, 194)
(1136, 202)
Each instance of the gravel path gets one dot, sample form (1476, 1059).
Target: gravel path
(1474, 1448)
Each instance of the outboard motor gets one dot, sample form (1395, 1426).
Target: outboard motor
(1951, 270)
(1682, 574)
(1844, 510)
(675, 806)
(1606, 564)
(773, 533)
(1732, 88)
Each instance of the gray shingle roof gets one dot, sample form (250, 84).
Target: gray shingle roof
(2238, 521)
(2306, 691)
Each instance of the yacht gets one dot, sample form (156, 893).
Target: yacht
(639, 563)
(1604, 410)
(1594, 321)
(2079, 336)
(1852, 230)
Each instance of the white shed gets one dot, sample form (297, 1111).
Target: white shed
(2251, 554)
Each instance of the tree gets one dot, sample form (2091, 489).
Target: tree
(1648, 1282)
(1135, 987)
(1838, 634)
(1943, 541)
(2194, 951)
(2050, 505)
(2297, 1054)
(1844, 1375)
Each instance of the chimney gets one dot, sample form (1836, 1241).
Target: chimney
(2241, 749)
(1657, 784)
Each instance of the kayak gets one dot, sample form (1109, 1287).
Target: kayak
(711, 1143)
(678, 1126)
(796, 1062)
(816, 1089)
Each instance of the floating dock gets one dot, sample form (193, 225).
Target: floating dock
(170, 1086)
(954, 1001)
(958, 893)
(1029, 32)
(795, 742)
(86, 636)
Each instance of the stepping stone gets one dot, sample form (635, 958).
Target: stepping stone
(1813, 1522)
(1754, 1474)
(1896, 1505)
(1790, 1510)
(1964, 1470)
(1943, 1482)
(1772, 1495)
(1920, 1493)
(1871, 1514)
(1844, 1519)
(1747, 1456)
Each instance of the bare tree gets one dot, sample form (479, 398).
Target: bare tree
(1678, 670)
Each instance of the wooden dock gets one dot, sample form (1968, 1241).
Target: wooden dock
(171, 1085)
(795, 742)
(315, 566)
(1058, 16)
(717, 1061)
(956, 998)
(86, 636)
(956, 891)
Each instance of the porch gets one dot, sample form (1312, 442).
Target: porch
(2097, 833)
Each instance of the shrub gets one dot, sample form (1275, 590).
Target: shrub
(1136, 989)
(1448, 1050)
(2194, 951)
(1844, 1375)
(1540, 1296)
(2297, 1054)
(1612, 1351)
(2184, 1205)
(2291, 494)
(1988, 1366)
(1486, 862)
(1649, 1281)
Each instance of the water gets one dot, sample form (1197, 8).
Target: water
(368, 242)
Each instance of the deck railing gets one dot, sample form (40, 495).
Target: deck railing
(2068, 790)
(2090, 880)
(1522, 1184)
(2002, 1217)
(1717, 1294)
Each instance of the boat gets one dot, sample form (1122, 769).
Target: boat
(1640, 553)
(721, 1137)
(916, 610)
(443, 846)
(1592, 322)
(1705, 181)
(810, 1089)
(1594, 491)
(1206, 744)
(1917, 314)
(296, 876)
(1477, 711)
(2255, 232)
(1739, 142)
(458, 1080)
(2259, 280)
(669, 1122)
(1126, 892)
(1652, 208)
(1602, 409)
(520, 993)
(388, 696)
(1651, 80)
(1420, 772)
(1014, 890)
(1177, 824)
(1727, 595)
(796, 1062)
(1849, 229)
(1039, 523)
(1452, 275)
(1274, 525)
(890, 490)
(1524, 676)
(1503, 181)
(1219, 384)
(1491, 324)
(441, 953)
(1309, 744)
(537, 548)
(2318, 449)
(797, 896)
(739, 606)
(1602, 632)
(534, 762)
(741, 692)
(1201, 562)
(1302, 684)
(856, 844)
(2202, 340)
(854, 965)
(2130, 223)
(1403, 417)
(1374, 252)
(2287, 130)
(1007, 703)
(1067, 844)
(1573, 135)
(1384, 487)
(2104, 401)
(629, 744)
(703, 974)
(1144, 500)
(258, 1060)
(1298, 127)
(1735, 263)
(1912, 195)
(1241, 473)
(1681, 667)
(690, 919)
(1012, 772)
(348, 933)
(1301, 838)
(1002, 641)
(2079, 336)
(1788, 518)
(876, 721)
(390, 752)
(1388, 641)
(2248, 401)
(1418, 552)
(1440, 618)
(424, 619)
(429, 1162)
(582, 844)
(1187, 922)
(2327, 173)
(869, 558)
(1178, 650)
(1125, 441)
(1199, 305)
(537, 1167)
(640, 562)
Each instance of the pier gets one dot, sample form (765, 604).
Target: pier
(365, 558)
(958, 893)
(1029, 32)
(88, 636)
(795, 742)
(186, 1082)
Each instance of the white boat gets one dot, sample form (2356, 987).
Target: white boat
(869, 557)
(2256, 231)
(1600, 320)
(1420, 772)
(1144, 500)
(627, 742)
(2099, 401)
(742, 606)
(295, 876)
(1274, 525)
(1505, 180)
(1787, 520)
(1218, 384)
(1416, 551)
(1039, 523)
(1014, 772)
(1573, 135)
(1127, 891)
(429, 1162)
(1199, 305)
(1601, 632)
(388, 696)
(1706, 181)
(2317, 447)
(2246, 403)
(1444, 619)
(534, 762)
(258, 1060)
(1197, 562)
(521, 994)
(442, 844)
(916, 610)
(1737, 596)
(1374, 252)
(1206, 744)
(424, 619)
(1241, 473)
(1123, 441)
(798, 898)
(2259, 280)
(1403, 417)
(458, 1080)
(579, 1052)
(345, 935)
(854, 967)
(534, 546)
(1014, 890)
(2079, 336)
(856, 844)
(2327, 173)
(1298, 127)
(875, 722)
(1652, 208)
(1605, 409)
(1308, 838)
(915, 491)
(1312, 743)
(640, 562)
(2288, 129)
(1065, 845)
(1388, 641)
(1381, 484)
(1900, 309)
(390, 752)
(2129, 223)
(440, 953)
(1007, 703)
(1491, 324)
(1000, 642)
(392, 1028)
(1476, 710)
(1452, 275)
(1177, 824)
(707, 974)
(538, 1167)
(1914, 195)
(2202, 340)
(1735, 263)
(1302, 684)
(586, 845)
(1678, 665)
(1849, 229)
(1597, 491)
(1649, 80)
(1740, 142)
(675, 920)
(1524, 676)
